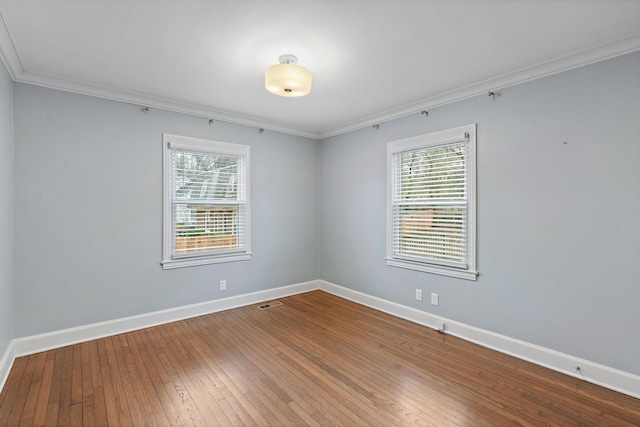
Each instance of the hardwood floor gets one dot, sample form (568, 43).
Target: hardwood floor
(314, 360)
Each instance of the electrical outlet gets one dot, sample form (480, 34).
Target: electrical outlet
(434, 299)
(419, 294)
(223, 285)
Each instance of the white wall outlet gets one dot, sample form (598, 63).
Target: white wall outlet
(434, 299)
(223, 285)
(419, 294)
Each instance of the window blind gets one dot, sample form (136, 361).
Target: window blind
(430, 205)
(208, 203)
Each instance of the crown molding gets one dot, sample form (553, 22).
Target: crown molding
(558, 65)
(10, 55)
(8, 51)
(158, 103)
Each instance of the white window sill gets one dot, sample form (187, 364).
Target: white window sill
(435, 269)
(190, 262)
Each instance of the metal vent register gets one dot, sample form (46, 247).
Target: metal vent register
(270, 304)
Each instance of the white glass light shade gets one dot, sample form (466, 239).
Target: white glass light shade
(287, 80)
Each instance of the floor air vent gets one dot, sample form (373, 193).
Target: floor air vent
(268, 305)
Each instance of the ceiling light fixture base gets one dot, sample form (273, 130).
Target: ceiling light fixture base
(288, 59)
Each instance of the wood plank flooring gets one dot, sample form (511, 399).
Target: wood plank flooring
(314, 360)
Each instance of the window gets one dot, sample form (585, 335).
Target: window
(206, 202)
(431, 203)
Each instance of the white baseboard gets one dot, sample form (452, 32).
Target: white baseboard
(6, 362)
(614, 379)
(605, 376)
(43, 342)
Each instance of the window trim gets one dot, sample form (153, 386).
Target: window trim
(206, 146)
(433, 139)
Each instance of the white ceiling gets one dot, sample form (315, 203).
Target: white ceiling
(371, 60)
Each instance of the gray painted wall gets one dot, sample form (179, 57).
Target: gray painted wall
(558, 224)
(88, 207)
(6, 210)
(558, 229)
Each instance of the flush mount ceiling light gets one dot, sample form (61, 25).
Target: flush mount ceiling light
(287, 78)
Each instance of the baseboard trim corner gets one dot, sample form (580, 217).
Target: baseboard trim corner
(6, 362)
(614, 379)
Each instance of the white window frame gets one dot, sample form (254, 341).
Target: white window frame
(171, 142)
(450, 136)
